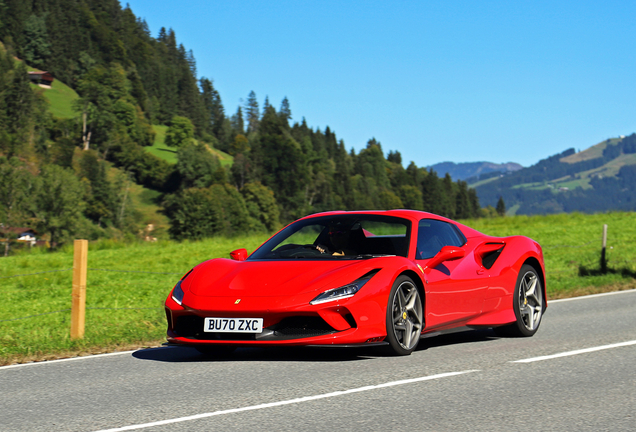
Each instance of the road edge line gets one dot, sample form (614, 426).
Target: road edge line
(575, 352)
(591, 296)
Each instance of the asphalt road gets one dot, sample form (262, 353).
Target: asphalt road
(465, 381)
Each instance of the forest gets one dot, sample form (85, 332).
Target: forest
(69, 177)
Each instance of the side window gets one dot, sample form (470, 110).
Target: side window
(433, 235)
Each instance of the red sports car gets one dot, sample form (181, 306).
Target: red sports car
(360, 279)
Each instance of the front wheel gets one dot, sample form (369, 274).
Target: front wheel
(528, 305)
(404, 316)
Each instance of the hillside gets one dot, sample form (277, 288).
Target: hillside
(169, 154)
(600, 178)
(134, 103)
(474, 171)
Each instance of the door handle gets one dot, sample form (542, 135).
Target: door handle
(480, 271)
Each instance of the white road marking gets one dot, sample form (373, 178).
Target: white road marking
(576, 352)
(591, 296)
(286, 402)
(67, 359)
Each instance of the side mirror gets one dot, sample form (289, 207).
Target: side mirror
(239, 255)
(447, 253)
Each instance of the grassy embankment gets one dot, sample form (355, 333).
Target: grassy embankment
(125, 309)
(572, 248)
(61, 98)
(161, 150)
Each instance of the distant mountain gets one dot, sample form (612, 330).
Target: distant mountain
(468, 170)
(601, 178)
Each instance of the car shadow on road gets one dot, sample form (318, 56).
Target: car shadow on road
(463, 337)
(176, 354)
(180, 354)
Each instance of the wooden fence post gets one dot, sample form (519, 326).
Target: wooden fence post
(603, 257)
(78, 307)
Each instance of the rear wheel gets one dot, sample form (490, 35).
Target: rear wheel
(527, 303)
(404, 316)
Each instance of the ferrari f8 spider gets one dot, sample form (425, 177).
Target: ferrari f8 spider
(367, 278)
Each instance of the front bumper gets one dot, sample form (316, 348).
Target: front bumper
(349, 323)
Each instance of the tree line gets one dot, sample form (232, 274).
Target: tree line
(128, 81)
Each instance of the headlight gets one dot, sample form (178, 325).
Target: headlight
(177, 293)
(343, 292)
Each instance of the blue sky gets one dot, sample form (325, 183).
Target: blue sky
(459, 81)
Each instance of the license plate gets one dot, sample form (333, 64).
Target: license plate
(233, 325)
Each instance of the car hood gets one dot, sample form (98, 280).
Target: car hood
(228, 278)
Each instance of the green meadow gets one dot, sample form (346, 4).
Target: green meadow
(169, 154)
(126, 287)
(60, 97)
(128, 282)
(572, 246)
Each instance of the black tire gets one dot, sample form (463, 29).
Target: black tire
(216, 350)
(404, 317)
(528, 305)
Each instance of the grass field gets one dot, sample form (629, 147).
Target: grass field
(124, 304)
(159, 149)
(60, 97)
(572, 248)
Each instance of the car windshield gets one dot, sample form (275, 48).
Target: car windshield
(351, 236)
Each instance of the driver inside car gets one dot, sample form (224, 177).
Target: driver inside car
(339, 236)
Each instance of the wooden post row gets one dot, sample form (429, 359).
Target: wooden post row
(78, 307)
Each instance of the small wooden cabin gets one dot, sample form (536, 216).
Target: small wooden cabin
(41, 78)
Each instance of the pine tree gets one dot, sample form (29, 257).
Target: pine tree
(192, 63)
(474, 203)
(394, 157)
(285, 112)
(462, 204)
(330, 142)
(370, 163)
(238, 125)
(266, 105)
(251, 110)
(214, 110)
(19, 106)
(501, 207)
(282, 163)
(37, 47)
(432, 193)
(448, 197)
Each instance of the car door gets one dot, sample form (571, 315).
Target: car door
(455, 289)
